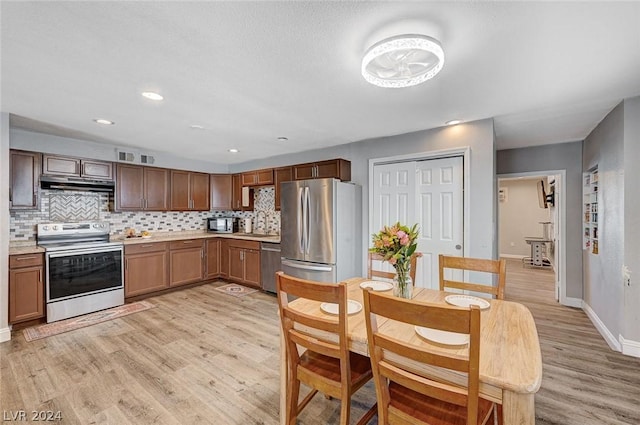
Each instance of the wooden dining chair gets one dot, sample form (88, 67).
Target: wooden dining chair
(373, 272)
(325, 364)
(407, 397)
(495, 267)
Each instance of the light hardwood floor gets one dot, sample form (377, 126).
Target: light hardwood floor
(203, 357)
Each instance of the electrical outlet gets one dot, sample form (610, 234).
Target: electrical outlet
(626, 275)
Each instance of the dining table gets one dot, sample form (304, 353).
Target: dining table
(510, 357)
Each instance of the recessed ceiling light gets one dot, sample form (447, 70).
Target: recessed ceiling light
(103, 121)
(402, 61)
(282, 139)
(453, 122)
(233, 150)
(196, 127)
(151, 95)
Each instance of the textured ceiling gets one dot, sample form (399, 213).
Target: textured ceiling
(250, 72)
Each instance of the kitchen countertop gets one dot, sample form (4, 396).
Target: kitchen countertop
(30, 247)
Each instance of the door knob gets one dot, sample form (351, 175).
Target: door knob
(458, 246)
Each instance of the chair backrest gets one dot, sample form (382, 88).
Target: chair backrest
(386, 350)
(372, 272)
(296, 335)
(497, 267)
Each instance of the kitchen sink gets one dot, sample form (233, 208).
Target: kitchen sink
(257, 235)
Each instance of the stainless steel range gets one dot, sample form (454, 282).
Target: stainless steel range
(84, 270)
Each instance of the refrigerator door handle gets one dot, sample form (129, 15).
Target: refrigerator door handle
(307, 233)
(297, 265)
(300, 220)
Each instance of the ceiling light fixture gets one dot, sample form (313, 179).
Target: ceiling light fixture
(151, 95)
(282, 139)
(103, 121)
(453, 122)
(233, 150)
(196, 127)
(402, 61)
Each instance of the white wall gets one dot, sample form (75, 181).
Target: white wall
(5, 334)
(520, 216)
(46, 143)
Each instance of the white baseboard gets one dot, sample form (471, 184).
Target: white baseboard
(519, 257)
(629, 347)
(5, 334)
(571, 302)
(606, 334)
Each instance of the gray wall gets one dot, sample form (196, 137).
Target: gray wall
(603, 288)
(39, 142)
(631, 324)
(5, 334)
(477, 135)
(563, 156)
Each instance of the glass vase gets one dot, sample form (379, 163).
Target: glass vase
(402, 283)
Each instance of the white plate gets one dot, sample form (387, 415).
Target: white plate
(376, 285)
(352, 307)
(145, 237)
(442, 337)
(466, 301)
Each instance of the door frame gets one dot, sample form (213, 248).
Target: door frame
(560, 278)
(464, 152)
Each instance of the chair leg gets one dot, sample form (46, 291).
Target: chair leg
(364, 420)
(345, 410)
(293, 391)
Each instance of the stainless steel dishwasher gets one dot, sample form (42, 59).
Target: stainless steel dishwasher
(269, 265)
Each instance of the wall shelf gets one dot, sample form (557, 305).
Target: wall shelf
(590, 219)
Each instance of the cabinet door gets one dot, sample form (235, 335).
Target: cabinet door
(252, 267)
(156, 189)
(24, 180)
(129, 187)
(180, 199)
(236, 182)
(144, 273)
(249, 179)
(213, 258)
(199, 188)
(59, 165)
(224, 258)
(221, 192)
(236, 263)
(303, 171)
(264, 177)
(186, 266)
(97, 169)
(26, 294)
(283, 174)
(336, 168)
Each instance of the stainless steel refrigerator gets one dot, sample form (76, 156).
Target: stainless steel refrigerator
(321, 222)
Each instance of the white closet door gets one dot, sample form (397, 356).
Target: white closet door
(428, 193)
(393, 197)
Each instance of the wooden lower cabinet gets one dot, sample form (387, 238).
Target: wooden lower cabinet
(26, 287)
(244, 262)
(186, 262)
(224, 258)
(145, 268)
(212, 269)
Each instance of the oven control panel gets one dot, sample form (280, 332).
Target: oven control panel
(83, 228)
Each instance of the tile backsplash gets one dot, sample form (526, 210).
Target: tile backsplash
(61, 206)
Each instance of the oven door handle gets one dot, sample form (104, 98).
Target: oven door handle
(74, 252)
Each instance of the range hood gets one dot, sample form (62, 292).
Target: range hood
(76, 183)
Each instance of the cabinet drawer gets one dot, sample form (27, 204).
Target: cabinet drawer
(144, 247)
(25, 260)
(187, 243)
(238, 243)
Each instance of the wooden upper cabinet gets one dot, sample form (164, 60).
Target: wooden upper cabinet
(221, 191)
(24, 180)
(236, 193)
(141, 188)
(189, 191)
(334, 168)
(69, 166)
(258, 177)
(281, 175)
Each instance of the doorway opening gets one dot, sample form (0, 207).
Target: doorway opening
(531, 225)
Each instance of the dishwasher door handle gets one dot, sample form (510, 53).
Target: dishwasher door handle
(270, 249)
